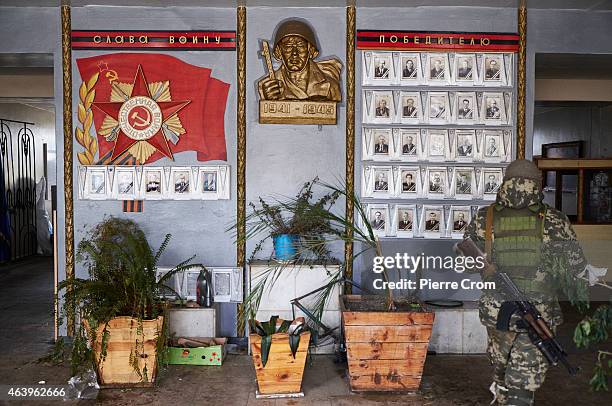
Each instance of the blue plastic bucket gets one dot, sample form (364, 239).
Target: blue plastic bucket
(285, 246)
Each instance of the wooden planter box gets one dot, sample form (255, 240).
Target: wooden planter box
(386, 350)
(115, 369)
(282, 374)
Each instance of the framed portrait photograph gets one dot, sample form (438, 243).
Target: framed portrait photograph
(466, 108)
(494, 149)
(383, 67)
(96, 183)
(188, 284)
(378, 217)
(226, 284)
(152, 186)
(493, 108)
(432, 222)
(377, 144)
(125, 183)
(458, 220)
(410, 108)
(491, 182)
(410, 68)
(437, 69)
(181, 185)
(378, 181)
(464, 183)
(437, 182)
(212, 182)
(383, 107)
(405, 221)
(437, 146)
(438, 108)
(410, 142)
(494, 72)
(466, 147)
(465, 72)
(409, 182)
(171, 286)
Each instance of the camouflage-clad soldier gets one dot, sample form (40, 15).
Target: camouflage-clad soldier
(525, 235)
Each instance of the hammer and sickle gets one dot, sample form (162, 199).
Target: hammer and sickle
(111, 75)
(141, 122)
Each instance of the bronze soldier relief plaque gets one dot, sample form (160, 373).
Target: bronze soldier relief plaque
(301, 90)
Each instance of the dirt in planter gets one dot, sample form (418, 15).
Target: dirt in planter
(379, 304)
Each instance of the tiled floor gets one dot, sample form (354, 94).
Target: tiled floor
(26, 330)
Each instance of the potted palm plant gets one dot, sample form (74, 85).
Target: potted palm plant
(297, 231)
(122, 329)
(386, 337)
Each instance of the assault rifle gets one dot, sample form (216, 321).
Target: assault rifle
(537, 328)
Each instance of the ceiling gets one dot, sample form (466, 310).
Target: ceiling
(573, 66)
(595, 5)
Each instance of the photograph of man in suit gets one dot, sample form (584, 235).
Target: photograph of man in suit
(492, 109)
(405, 223)
(381, 184)
(464, 184)
(381, 147)
(408, 184)
(409, 110)
(492, 185)
(465, 149)
(409, 71)
(181, 184)
(493, 72)
(435, 184)
(492, 150)
(381, 71)
(465, 70)
(437, 72)
(409, 147)
(382, 110)
(378, 222)
(210, 182)
(153, 182)
(460, 224)
(465, 112)
(432, 224)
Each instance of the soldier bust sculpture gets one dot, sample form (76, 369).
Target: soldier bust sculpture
(298, 79)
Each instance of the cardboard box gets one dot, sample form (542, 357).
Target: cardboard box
(211, 355)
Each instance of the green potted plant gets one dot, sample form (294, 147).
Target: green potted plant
(297, 231)
(386, 337)
(122, 329)
(279, 349)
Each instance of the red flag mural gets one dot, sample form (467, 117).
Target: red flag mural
(150, 106)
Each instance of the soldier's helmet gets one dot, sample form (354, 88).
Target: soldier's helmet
(525, 169)
(295, 27)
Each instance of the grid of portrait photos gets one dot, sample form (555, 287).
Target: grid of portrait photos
(207, 182)
(437, 134)
(419, 220)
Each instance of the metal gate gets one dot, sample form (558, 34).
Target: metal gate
(18, 237)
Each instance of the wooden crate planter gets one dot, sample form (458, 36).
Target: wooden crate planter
(386, 350)
(115, 369)
(282, 374)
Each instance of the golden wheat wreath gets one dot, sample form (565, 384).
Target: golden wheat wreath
(87, 93)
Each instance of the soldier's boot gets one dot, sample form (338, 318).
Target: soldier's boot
(519, 397)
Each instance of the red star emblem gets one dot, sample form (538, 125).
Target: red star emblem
(140, 117)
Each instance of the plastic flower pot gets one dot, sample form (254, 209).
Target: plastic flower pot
(285, 246)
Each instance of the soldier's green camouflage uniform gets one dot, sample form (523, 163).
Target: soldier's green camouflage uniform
(520, 368)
